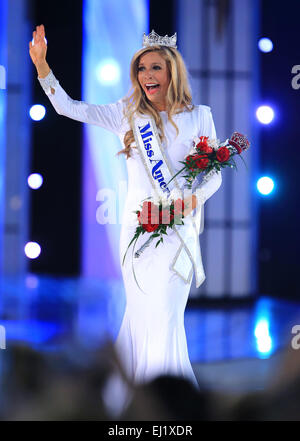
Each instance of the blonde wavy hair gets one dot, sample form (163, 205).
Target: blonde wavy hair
(178, 97)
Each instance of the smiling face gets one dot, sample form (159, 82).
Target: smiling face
(154, 78)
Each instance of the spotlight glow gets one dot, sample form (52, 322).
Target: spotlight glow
(265, 114)
(263, 338)
(108, 72)
(35, 181)
(37, 112)
(265, 185)
(32, 250)
(265, 45)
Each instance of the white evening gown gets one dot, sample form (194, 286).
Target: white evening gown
(152, 339)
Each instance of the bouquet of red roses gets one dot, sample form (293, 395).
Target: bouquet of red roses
(156, 216)
(209, 154)
(164, 212)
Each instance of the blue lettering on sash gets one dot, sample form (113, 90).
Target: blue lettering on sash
(145, 128)
(157, 174)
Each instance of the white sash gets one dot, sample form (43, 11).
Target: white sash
(160, 172)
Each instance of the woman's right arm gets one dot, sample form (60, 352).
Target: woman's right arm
(108, 116)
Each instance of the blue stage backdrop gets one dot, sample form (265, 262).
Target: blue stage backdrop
(223, 67)
(3, 63)
(112, 32)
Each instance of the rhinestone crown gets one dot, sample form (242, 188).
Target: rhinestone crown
(154, 39)
(239, 141)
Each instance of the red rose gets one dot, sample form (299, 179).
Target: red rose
(205, 149)
(143, 217)
(201, 161)
(178, 207)
(153, 214)
(165, 217)
(190, 162)
(150, 228)
(223, 154)
(147, 206)
(149, 216)
(203, 146)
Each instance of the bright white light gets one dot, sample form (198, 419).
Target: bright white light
(265, 45)
(108, 72)
(35, 181)
(265, 185)
(263, 338)
(37, 112)
(265, 114)
(32, 250)
(264, 344)
(261, 328)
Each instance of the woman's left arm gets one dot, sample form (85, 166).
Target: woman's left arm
(204, 187)
(209, 185)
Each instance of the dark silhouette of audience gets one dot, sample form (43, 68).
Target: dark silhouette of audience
(44, 386)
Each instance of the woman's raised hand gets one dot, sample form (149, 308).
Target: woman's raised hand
(38, 51)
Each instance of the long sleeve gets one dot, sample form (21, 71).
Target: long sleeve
(206, 186)
(108, 116)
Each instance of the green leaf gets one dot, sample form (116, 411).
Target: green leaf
(134, 237)
(243, 161)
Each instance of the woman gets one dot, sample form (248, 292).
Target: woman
(152, 338)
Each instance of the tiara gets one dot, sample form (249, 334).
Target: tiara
(154, 39)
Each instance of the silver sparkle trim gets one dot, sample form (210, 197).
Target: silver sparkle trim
(146, 244)
(48, 83)
(153, 39)
(174, 227)
(178, 187)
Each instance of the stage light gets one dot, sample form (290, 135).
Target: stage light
(37, 112)
(35, 181)
(265, 185)
(265, 45)
(263, 338)
(261, 328)
(108, 72)
(265, 114)
(32, 250)
(105, 79)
